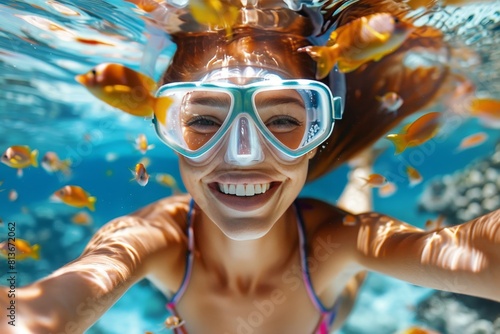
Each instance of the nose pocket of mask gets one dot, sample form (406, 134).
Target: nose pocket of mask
(243, 147)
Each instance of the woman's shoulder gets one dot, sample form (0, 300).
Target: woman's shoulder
(319, 209)
(320, 215)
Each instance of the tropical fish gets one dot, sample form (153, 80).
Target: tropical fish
(21, 248)
(487, 110)
(375, 180)
(141, 144)
(390, 101)
(13, 195)
(471, 141)
(123, 88)
(19, 156)
(214, 14)
(140, 174)
(167, 180)
(349, 220)
(413, 175)
(173, 322)
(75, 196)
(433, 225)
(145, 161)
(416, 133)
(387, 189)
(51, 163)
(362, 40)
(81, 218)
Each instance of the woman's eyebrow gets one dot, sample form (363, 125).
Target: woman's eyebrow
(272, 101)
(210, 101)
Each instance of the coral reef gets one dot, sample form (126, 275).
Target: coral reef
(451, 313)
(466, 194)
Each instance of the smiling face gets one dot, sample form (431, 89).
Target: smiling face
(244, 201)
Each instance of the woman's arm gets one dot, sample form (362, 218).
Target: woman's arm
(75, 296)
(462, 259)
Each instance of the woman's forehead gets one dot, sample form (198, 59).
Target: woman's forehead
(197, 56)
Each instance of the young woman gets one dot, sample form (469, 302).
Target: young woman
(241, 253)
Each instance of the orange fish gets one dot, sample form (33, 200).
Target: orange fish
(362, 40)
(413, 175)
(173, 322)
(487, 110)
(75, 196)
(51, 163)
(471, 141)
(214, 13)
(375, 180)
(123, 88)
(141, 144)
(140, 174)
(81, 218)
(13, 195)
(20, 157)
(167, 180)
(20, 249)
(146, 5)
(349, 220)
(433, 225)
(390, 101)
(416, 133)
(387, 189)
(92, 41)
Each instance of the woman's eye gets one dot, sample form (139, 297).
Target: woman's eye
(203, 124)
(282, 123)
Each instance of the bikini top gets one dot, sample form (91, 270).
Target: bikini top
(327, 314)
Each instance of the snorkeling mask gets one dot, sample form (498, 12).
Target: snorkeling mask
(291, 117)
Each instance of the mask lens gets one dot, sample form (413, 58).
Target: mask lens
(194, 117)
(283, 113)
(202, 115)
(294, 117)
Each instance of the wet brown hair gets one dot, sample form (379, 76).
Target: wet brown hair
(363, 120)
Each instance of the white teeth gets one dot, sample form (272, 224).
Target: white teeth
(244, 189)
(240, 190)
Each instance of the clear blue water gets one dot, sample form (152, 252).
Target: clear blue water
(43, 107)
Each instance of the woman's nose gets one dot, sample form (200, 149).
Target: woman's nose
(244, 147)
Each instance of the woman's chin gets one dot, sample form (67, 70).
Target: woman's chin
(244, 229)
